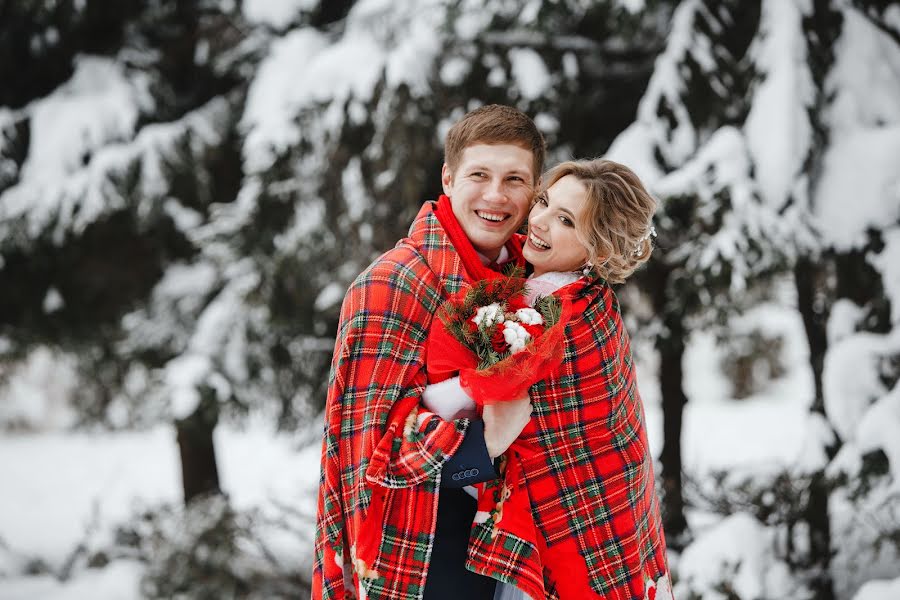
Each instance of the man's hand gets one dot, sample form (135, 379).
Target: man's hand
(503, 422)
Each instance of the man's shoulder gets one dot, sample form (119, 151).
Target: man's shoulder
(399, 261)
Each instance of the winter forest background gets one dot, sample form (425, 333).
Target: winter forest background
(187, 189)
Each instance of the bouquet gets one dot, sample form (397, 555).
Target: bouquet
(499, 345)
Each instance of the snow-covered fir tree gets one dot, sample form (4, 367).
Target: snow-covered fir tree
(187, 188)
(761, 99)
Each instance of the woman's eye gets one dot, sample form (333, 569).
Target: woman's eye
(566, 221)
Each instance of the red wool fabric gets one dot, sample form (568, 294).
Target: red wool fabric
(595, 520)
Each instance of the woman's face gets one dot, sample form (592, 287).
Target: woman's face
(553, 243)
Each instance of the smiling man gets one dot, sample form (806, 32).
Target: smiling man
(393, 521)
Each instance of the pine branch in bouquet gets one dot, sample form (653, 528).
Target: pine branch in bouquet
(550, 308)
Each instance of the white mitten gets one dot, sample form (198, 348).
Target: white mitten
(448, 400)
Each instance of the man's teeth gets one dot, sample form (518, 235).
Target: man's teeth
(491, 216)
(538, 242)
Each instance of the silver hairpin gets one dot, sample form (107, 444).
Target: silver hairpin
(638, 248)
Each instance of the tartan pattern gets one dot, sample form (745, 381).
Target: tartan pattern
(381, 458)
(590, 485)
(590, 481)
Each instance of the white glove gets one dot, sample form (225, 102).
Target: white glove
(448, 400)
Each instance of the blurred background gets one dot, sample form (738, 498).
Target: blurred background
(187, 189)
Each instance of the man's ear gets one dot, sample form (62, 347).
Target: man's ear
(446, 179)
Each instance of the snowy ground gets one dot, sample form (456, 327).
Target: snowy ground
(61, 486)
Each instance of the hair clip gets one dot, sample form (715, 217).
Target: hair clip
(651, 233)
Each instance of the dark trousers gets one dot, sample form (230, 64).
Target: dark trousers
(448, 578)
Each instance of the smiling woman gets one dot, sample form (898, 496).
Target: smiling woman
(553, 242)
(593, 215)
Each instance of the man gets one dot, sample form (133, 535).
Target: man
(379, 532)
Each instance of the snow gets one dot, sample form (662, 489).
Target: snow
(79, 198)
(306, 68)
(277, 14)
(634, 147)
(777, 128)
(61, 487)
(411, 60)
(354, 190)
(99, 481)
(529, 72)
(332, 294)
(879, 590)
(454, 71)
(888, 266)
(665, 86)
(748, 566)
(866, 76)
(860, 186)
(53, 301)
(217, 339)
(119, 580)
(68, 483)
(280, 85)
(878, 429)
(96, 106)
(723, 165)
(35, 394)
(852, 381)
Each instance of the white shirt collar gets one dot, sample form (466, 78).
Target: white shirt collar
(501, 258)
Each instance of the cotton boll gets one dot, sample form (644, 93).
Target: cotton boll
(488, 315)
(529, 316)
(516, 336)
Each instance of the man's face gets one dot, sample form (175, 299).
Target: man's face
(491, 190)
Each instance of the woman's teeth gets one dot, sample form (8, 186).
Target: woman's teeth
(538, 242)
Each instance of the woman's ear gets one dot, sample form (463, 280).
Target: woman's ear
(446, 179)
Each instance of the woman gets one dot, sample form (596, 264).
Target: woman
(575, 513)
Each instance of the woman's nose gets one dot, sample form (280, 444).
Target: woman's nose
(537, 222)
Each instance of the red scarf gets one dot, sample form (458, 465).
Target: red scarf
(472, 264)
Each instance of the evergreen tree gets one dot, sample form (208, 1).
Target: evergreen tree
(717, 236)
(725, 107)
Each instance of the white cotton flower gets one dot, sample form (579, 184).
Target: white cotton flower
(529, 316)
(516, 336)
(490, 314)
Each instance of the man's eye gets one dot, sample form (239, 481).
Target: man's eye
(478, 175)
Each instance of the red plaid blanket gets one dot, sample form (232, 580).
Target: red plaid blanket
(590, 481)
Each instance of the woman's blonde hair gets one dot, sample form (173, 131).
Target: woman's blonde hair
(615, 225)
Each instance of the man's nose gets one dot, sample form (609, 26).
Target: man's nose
(495, 191)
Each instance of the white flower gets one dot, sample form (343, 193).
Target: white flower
(516, 336)
(529, 316)
(490, 314)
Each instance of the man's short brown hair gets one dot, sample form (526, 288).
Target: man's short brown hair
(494, 124)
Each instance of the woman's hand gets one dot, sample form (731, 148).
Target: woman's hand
(503, 422)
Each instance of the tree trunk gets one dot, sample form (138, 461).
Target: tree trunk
(812, 303)
(199, 474)
(671, 377)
